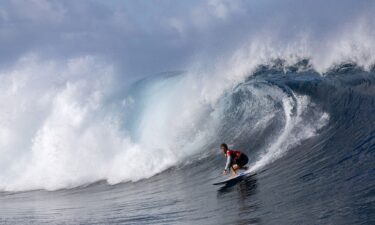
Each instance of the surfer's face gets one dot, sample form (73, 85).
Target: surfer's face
(223, 150)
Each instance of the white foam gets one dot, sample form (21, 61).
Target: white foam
(295, 130)
(59, 128)
(61, 125)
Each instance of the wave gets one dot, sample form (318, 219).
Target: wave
(70, 130)
(66, 124)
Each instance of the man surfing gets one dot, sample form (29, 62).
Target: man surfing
(236, 160)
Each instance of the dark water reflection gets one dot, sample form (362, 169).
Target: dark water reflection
(244, 189)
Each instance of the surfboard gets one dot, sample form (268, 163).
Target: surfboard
(230, 180)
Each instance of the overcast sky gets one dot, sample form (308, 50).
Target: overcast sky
(148, 37)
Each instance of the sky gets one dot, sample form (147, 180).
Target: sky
(147, 37)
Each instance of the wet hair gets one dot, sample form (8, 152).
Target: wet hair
(225, 146)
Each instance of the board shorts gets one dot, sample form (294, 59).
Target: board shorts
(242, 160)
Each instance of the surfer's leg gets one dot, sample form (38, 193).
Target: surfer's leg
(234, 169)
(242, 161)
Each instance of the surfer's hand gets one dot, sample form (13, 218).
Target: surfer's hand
(225, 172)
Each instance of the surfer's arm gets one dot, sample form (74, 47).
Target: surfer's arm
(227, 165)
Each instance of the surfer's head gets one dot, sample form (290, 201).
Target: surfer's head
(224, 148)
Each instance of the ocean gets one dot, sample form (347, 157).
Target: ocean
(310, 138)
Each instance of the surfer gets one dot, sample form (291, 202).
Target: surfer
(235, 160)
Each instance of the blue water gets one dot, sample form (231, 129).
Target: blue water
(327, 178)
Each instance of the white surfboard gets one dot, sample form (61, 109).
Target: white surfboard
(237, 178)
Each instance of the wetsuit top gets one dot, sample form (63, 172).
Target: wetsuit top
(232, 155)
